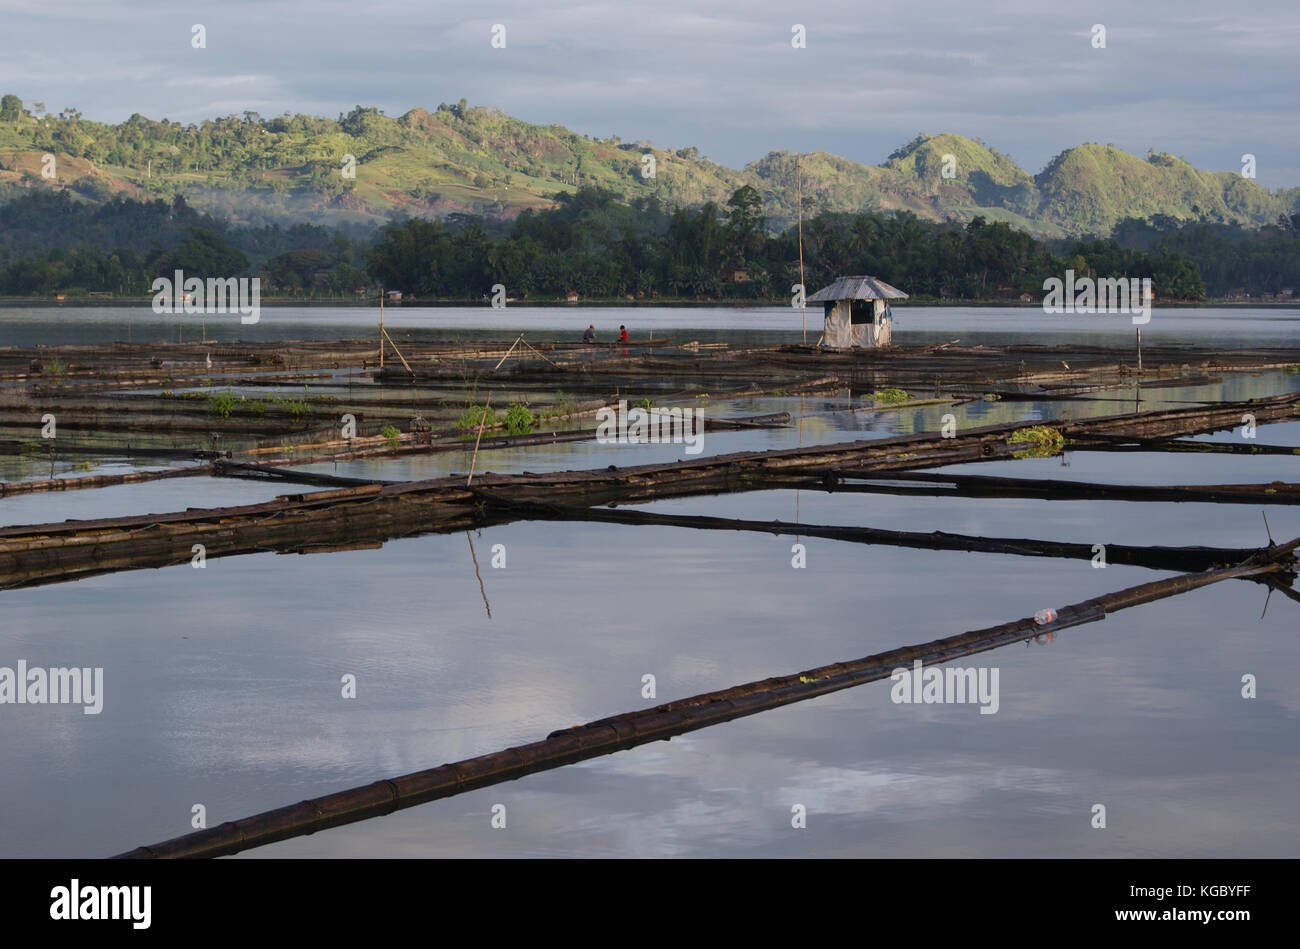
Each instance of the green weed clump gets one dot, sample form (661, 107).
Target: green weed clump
(475, 416)
(519, 419)
(391, 433)
(1044, 440)
(222, 405)
(296, 408)
(890, 395)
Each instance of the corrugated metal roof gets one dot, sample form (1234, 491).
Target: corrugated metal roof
(857, 288)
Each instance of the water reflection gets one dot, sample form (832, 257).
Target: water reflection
(223, 684)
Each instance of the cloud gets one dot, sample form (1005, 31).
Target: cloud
(1185, 77)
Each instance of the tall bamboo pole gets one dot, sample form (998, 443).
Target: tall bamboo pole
(482, 423)
(803, 289)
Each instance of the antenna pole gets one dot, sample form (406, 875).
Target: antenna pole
(803, 306)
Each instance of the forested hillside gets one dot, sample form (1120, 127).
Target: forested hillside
(369, 167)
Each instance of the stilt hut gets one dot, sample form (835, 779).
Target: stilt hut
(856, 312)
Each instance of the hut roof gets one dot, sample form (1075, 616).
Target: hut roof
(857, 288)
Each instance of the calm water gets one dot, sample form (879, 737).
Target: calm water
(222, 685)
(1233, 327)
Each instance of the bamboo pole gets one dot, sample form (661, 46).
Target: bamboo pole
(482, 422)
(1152, 557)
(396, 350)
(628, 730)
(508, 352)
(1120, 443)
(236, 469)
(10, 488)
(539, 352)
(983, 486)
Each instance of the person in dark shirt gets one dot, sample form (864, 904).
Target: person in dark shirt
(622, 334)
(590, 335)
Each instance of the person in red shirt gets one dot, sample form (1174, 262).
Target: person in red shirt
(622, 334)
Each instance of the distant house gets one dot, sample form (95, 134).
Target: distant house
(393, 296)
(736, 275)
(856, 313)
(571, 296)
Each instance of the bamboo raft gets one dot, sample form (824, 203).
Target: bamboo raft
(47, 553)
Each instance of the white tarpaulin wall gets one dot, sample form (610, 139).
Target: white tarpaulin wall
(842, 333)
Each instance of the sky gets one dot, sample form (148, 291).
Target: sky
(1208, 81)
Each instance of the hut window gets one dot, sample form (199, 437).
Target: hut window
(863, 311)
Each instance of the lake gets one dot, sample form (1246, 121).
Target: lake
(222, 685)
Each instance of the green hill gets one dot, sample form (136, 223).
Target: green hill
(458, 159)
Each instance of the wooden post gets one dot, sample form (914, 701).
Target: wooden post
(381, 327)
(1139, 332)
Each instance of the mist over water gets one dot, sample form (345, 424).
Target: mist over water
(1237, 327)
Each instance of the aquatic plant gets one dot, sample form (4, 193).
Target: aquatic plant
(222, 405)
(296, 408)
(392, 433)
(1045, 441)
(475, 416)
(890, 395)
(519, 419)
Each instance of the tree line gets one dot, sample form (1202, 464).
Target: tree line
(599, 247)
